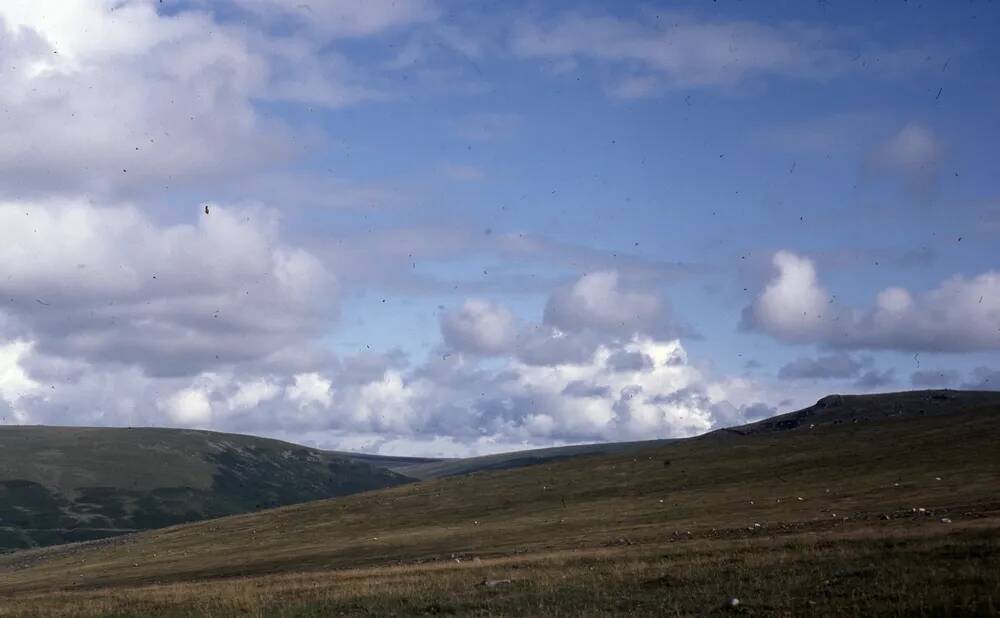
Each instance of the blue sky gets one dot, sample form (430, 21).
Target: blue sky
(444, 228)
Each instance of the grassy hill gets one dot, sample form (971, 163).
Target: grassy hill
(518, 459)
(61, 484)
(863, 505)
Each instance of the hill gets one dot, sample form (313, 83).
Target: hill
(516, 459)
(858, 505)
(62, 484)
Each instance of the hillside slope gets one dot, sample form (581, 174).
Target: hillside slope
(866, 462)
(516, 459)
(61, 484)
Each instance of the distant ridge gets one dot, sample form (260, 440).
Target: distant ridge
(63, 484)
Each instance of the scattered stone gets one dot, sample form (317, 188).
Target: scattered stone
(945, 520)
(732, 603)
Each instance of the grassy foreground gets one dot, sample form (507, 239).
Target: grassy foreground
(925, 570)
(860, 506)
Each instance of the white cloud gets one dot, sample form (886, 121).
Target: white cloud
(634, 403)
(961, 314)
(251, 394)
(792, 305)
(310, 389)
(480, 327)
(602, 301)
(15, 383)
(189, 407)
(388, 405)
(117, 97)
(182, 96)
(109, 285)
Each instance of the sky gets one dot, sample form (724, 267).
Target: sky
(420, 227)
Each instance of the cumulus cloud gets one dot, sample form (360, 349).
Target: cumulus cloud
(181, 97)
(189, 407)
(636, 388)
(961, 314)
(578, 318)
(185, 88)
(15, 382)
(252, 393)
(603, 302)
(108, 285)
(480, 327)
(792, 305)
(310, 389)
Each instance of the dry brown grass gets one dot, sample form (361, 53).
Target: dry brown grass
(899, 569)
